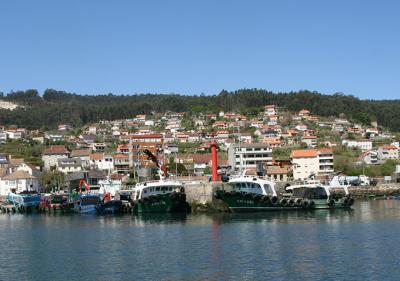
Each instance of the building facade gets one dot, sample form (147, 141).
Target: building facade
(138, 143)
(312, 162)
(247, 156)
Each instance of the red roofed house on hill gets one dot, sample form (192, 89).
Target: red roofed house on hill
(388, 152)
(18, 181)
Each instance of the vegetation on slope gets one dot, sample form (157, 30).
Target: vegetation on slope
(56, 107)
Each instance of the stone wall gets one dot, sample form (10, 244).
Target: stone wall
(201, 192)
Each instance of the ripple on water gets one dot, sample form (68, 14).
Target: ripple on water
(360, 244)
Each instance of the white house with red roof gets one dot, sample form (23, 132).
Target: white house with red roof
(388, 152)
(51, 155)
(310, 141)
(270, 109)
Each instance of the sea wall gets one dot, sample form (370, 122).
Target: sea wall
(200, 197)
(200, 192)
(382, 190)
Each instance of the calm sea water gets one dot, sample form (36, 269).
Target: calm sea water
(360, 244)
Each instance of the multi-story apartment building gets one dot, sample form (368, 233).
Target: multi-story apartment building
(138, 143)
(311, 161)
(247, 155)
(325, 160)
(121, 163)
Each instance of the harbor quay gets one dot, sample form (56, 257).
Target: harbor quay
(200, 196)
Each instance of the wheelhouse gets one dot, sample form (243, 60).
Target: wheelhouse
(311, 192)
(253, 185)
(88, 200)
(156, 188)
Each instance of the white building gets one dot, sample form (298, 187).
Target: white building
(69, 165)
(369, 157)
(83, 154)
(17, 182)
(8, 105)
(310, 141)
(14, 134)
(3, 136)
(270, 110)
(99, 161)
(388, 152)
(248, 155)
(360, 144)
(52, 154)
(311, 162)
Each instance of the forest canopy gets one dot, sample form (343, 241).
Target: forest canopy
(55, 107)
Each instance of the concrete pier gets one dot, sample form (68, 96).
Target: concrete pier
(199, 195)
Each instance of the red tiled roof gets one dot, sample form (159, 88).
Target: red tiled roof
(120, 156)
(96, 156)
(201, 158)
(18, 175)
(325, 150)
(304, 153)
(389, 147)
(80, 152)
(55, 149)
(146, 136)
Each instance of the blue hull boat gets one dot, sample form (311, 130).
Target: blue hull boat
(86, 203)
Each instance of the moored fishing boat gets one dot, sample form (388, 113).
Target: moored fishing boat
(321, 197)
(246, 193)
(161, 195)
(55, 203)
(24, 201)
(109, 205)
(86, 202)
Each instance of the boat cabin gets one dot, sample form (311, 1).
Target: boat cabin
(253, 185)
(156, 188)
(310, 192)
(88, 199)
(316, 191)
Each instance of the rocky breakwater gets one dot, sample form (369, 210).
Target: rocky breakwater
(381, 190)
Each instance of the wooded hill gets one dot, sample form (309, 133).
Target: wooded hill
(55, 107)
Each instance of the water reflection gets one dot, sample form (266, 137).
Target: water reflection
(356, 244)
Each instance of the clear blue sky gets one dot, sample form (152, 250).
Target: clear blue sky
(193, 47)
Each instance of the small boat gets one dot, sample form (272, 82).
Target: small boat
(109, 207)
(24, 201)
(56, 203)
(86, 203)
